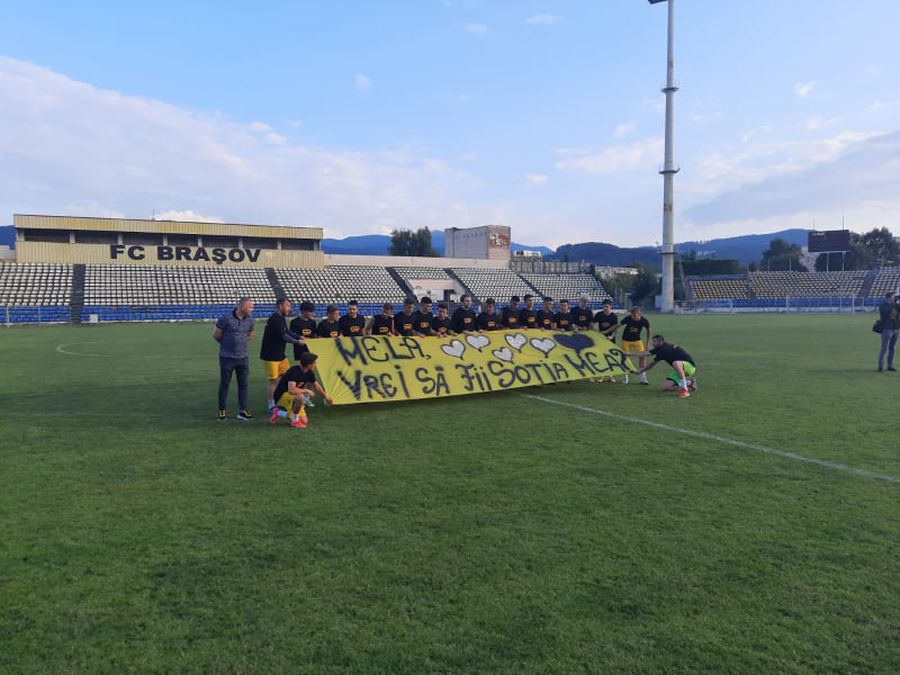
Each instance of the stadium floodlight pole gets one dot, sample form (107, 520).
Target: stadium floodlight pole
(668, 171)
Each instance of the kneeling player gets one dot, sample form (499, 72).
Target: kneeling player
(294, 390)
(683, 377)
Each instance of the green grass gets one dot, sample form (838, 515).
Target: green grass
(476, 534)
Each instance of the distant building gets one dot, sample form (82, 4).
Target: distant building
(489, 242)
(529, 255)
(604, 271)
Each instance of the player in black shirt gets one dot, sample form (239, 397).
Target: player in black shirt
(383, 324)
(527, 316)
(488, 319)
(545, 316)
(440, 325)
(464, 317)
(423, 317)
(294, 390)
(632, 327)
(352, 324)
(563, 318)
(607, 323)
(329, 326)
(582, 315)
(404, 322)
(509, 317)
(683, 378)
(272, 349)
(606, 319)
(304, 326)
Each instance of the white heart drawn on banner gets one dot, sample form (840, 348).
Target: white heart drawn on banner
(454, 348)
(544, 345)
(516, 341)
(503, 354)
(479, 342)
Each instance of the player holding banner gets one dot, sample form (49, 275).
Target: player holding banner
(683, 377)
(294, 390)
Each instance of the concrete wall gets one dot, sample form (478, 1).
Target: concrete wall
(489, 242)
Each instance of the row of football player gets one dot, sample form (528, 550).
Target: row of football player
(419, 319)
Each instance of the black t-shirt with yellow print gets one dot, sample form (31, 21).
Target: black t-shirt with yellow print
(545, 319)
(351, 327)
(328, 328)
(382, 325)
(631, 328)
(305, 328)
(488, 321)
(404, 324)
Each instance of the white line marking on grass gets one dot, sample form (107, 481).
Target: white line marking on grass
(722, 439)
(62, 349)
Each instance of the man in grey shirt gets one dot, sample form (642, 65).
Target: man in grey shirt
(233, 331)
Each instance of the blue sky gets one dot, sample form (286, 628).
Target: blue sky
(546, 116)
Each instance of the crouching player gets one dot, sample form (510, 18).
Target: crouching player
(294, 390)
(683, 377)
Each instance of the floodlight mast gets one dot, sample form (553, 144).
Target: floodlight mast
(669, 170)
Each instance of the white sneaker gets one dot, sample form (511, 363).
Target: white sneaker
(625, 380)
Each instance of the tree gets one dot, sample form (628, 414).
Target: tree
(881, 245)
(645, 284)
(782, 256)
(409, 243)
(874, 248)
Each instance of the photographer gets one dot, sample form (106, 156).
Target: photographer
(889, 313)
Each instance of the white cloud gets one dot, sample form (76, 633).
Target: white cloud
(804, 89)
(706, 117)
(851, 170)
(187, 215)
(70, 147)
(544, 19)
(640, 154)
(476, 29)
(750, 134)
(878, 106)
(816, 123)
(623, 129)
(656, 105)
(537, 179)
(363, 82)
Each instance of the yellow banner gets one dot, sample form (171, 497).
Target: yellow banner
(383, 368)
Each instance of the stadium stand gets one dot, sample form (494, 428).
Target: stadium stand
(138, 293)
(887, 280)
(35, 284)
(774, 285)
(422, 272)
(730, 288)
(39, 292)
(492, 283)
(341, 283)
(132, 285)
(567, 286)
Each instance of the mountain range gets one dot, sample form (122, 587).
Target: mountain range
(745, 249)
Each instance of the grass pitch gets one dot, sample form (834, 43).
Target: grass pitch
(493, 533)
